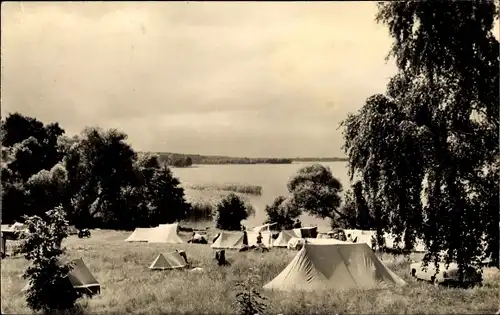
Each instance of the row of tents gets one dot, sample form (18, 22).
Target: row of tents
(292, 239)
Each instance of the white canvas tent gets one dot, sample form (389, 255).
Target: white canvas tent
(334, 267)
(171, 260)
(139, 235)
(390, 243)
(165, 233)
(283, 238)
(263, 228)
(229, 240)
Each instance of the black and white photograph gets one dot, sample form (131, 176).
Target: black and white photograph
(250, 157)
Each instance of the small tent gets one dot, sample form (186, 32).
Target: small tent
(267, 238)
(306, 232)
(334, 266)
(230, 240)
(263, 228)
(165, 233)
(171, 260)
(283, 238)
(81, 279)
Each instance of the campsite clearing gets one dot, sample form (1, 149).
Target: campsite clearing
(129, 286)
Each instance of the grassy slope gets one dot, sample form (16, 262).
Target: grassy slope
(128, 286)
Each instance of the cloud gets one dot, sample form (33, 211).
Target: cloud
(245, 78)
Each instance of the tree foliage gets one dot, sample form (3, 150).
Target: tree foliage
(282, 212)
(355, 211)
(49, 289)
(315, 190)
(229, 213)
(98, 179)
(435, 131)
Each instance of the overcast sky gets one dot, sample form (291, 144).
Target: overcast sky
(240, 79)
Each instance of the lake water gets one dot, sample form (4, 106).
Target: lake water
(272, 177)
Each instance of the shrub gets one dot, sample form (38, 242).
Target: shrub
(49, 288)
(249, 301)
(230, 212)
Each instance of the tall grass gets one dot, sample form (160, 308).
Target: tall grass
(128, 286)
(200, 212)
(204, 203)
(239, 188)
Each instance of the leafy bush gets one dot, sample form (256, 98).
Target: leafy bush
(49, 288)
(249, 301)
(230, 212)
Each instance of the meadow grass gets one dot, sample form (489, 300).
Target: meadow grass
(128, 286)
(239, 188)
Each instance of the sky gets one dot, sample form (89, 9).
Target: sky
(241, 79)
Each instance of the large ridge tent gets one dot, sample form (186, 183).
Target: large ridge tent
(283, 238)
(164, 233)
(230, 240)
(334, 267)
(171, 260)
(139, 235)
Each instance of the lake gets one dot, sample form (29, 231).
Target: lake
(272, 177)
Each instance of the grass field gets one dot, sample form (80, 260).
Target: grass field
(128, 286)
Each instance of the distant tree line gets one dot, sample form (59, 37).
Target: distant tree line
(176, 160)
(96, 177)
(320, 159)
(172, 158)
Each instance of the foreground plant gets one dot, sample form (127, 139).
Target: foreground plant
(249, 301)
(49, 288)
